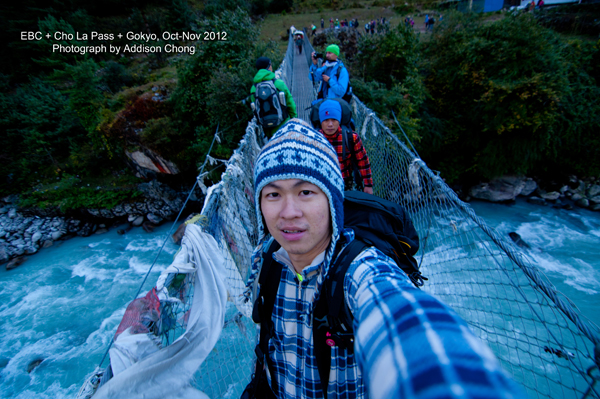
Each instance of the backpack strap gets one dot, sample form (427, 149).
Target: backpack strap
(345, 143)
(346, 97)
(338, 72)
(332, 320)
(353, 161)
(270, 275)
(284, 109)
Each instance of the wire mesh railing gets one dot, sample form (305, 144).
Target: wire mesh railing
(487, 280)
(538, 335)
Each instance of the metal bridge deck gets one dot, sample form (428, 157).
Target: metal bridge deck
(302, 88)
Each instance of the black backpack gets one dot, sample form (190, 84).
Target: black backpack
(376, 222)
(347, 95)
(347, 125)
(269, 104)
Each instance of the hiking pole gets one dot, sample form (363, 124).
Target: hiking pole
(405, 135)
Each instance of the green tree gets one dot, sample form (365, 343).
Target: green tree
(180, 16)
(499, 91)
(84, 96)
(385, 76)
(576, 143)
(216, 79)
(57, 59)
(40, 132)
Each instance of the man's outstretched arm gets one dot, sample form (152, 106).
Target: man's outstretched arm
(408, 344)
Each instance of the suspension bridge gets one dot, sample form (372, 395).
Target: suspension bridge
(537, 333)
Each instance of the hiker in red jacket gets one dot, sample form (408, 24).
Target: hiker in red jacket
(330, 114)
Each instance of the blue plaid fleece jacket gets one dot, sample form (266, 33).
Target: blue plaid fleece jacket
(407, 343)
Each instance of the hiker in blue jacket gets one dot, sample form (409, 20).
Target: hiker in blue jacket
(333, 75)
(407, 344)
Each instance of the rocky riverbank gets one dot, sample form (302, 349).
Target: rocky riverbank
(575, 192)
(26, 231)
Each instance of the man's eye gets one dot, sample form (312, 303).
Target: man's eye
(272, 195)
(305, 192)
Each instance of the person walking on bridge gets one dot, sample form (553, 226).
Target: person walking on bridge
(299, 41)
(405, 342)
(333, 75)
(265, 74)
(348, 146)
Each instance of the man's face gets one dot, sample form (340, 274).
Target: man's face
(330, 126)
(297, 215)
(330, 56)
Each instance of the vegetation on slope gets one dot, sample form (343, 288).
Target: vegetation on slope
(479, 96)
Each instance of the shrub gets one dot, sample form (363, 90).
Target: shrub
(385, 76)
(115, 76)
(215, 80)
(69, 194)
(506, 94)
(40, 130)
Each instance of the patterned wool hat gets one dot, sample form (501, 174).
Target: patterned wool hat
(333, 48)
(297, 151)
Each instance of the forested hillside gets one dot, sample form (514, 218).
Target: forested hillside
(479, 96)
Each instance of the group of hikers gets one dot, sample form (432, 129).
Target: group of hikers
(274, 105)
(532, 6)
(430, 21)
(338, 305)
(336, 23)
(375, 25)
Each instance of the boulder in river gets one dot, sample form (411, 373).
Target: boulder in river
(529, 186)
(3, 253)
(138, 221)
(551, 196)
(536, 201)
(518, 240)
(15, 262)
(583, 203)
(576, 197)
(36, 236)
(504, 188)
(593, 190)
(148, 227)
(154, 219)
(31, 366)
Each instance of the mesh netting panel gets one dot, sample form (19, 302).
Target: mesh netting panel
(174, 314)
(229, 216)
(486, 279)
(537, 334)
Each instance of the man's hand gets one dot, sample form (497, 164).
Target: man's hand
(368, 190)
(314, 60)
(325, 78)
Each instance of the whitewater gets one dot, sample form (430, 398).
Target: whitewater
(64, 304)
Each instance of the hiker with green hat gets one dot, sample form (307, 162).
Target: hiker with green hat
(334, 77)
